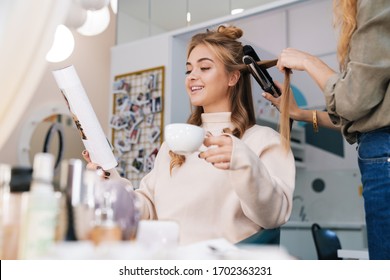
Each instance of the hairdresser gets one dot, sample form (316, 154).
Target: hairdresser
(358, 102)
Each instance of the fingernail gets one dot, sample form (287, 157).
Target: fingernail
(263, 94)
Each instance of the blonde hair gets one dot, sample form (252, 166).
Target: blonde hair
(223, 43)
(345, 12)
(284, 122)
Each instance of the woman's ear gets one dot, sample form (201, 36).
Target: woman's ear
(234, 77)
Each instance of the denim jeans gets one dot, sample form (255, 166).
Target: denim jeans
(374, 163)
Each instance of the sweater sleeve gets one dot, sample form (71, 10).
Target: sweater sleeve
(145, 193)
(145, 198)
(264, 180)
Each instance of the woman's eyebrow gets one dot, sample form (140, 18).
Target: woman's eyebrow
(200, 60)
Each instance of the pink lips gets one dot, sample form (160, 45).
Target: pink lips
(196, 88)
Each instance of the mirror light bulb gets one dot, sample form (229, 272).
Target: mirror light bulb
(96, 23)
(63, 45)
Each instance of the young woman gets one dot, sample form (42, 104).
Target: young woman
(244, 181)
(358, 102)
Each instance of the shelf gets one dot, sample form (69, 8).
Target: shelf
(297, 146)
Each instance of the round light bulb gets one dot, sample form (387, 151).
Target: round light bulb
(63, 45)
(96, 23)
(76, 16)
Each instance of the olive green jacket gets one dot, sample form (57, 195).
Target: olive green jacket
(358, 99)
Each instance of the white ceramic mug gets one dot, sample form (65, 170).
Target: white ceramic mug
(183, 138)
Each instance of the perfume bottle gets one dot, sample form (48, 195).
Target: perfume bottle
(105, 228)
(124, 204)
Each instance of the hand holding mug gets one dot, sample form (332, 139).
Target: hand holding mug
(220, 153)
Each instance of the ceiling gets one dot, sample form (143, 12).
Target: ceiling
(172, 14)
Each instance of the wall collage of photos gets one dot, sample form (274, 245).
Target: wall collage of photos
(137, 121)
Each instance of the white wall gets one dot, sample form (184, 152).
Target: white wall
(133, 29)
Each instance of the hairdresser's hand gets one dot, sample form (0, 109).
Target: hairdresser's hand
(275, 101)
(93, 166)
(294, 109)
(221, 153)
(293, 59)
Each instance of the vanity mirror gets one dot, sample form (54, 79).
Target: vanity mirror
(51, 130)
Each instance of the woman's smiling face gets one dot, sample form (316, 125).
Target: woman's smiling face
(207, 81)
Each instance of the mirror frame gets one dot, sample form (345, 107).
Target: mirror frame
(29, 127)
(55, 129)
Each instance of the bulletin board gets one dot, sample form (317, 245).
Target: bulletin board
(137, 121)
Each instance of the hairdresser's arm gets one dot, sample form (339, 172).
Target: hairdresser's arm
(299, 114)
(322, 119)
(294, 59)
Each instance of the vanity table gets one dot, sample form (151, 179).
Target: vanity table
(216, 249)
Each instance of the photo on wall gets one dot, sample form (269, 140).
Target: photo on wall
(137, 121)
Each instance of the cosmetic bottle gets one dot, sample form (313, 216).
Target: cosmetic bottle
(13, 203)
(84, 209)
(5, 178)
(41, 213)
(105, 228)
(71, 187)
(125, 204)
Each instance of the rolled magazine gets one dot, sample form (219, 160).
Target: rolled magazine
(84, 116)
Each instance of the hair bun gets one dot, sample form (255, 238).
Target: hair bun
(230, 31)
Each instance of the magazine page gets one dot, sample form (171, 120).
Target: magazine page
(84, 116)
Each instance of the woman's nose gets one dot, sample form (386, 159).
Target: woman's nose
(193, 75)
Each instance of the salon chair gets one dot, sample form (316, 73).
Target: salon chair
(326, 242)
(265, 236)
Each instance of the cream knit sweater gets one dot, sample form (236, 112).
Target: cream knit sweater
(212, 203)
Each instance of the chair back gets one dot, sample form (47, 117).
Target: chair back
(326, 242)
